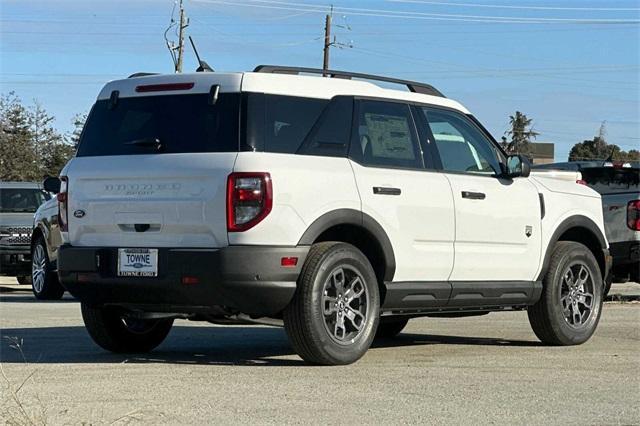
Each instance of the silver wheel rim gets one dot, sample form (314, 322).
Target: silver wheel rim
(38, 268)
(345, 303)
(577, 295)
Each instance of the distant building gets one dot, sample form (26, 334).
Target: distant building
(541, 152)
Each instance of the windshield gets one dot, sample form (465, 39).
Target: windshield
(163, 125)
(21, 200)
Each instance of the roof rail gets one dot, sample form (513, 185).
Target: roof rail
(413, 86)
(142, 74)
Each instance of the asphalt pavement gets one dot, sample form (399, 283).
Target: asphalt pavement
(478, 370)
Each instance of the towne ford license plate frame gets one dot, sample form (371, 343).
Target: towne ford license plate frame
(137, 262)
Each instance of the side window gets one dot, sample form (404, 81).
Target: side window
(384, 135)
(288, 120)
(461, 145)
(330, 136)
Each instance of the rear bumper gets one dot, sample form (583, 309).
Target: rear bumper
(15, 260)
(246, 279)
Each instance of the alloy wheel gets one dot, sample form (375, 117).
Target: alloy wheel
(38, 268)
(345, 303)
(577, 294)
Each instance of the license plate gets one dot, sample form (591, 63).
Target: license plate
(137, 262)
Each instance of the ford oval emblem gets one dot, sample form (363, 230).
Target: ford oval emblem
(79, 213)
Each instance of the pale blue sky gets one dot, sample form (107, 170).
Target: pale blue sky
(567, 64)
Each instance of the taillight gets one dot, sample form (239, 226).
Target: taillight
(581, 182)
(249, 200)
(164, 87)
(633, 215)
(63, 203)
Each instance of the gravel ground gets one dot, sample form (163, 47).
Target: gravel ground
(480, 370)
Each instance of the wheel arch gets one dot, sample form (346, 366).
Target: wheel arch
(35, 234)
(580, 229)
(359, 229)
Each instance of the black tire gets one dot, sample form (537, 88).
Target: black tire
(111, 331)
(44, 281)
(306, 319)
(390, 328)
(607, 287)
(548, 316)
(23, 280)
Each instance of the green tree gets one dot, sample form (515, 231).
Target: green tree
(17, 156)
(30, 147)
(78, 124)
(521, 134)
(599, 149)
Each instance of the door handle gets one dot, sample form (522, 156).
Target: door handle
(384, 190)
(474, 195)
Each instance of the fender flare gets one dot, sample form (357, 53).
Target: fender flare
(577, 221)
(357, 218)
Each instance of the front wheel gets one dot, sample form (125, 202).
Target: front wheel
(571, 303)
(334, 313)
(114, 331)
(45, 284)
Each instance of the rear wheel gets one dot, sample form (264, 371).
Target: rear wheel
(45, 284)
(390, 328)
(571, 303)
(112, 330)
(334, 313)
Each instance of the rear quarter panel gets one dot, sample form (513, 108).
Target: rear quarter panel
(304, 188)
(614, 209)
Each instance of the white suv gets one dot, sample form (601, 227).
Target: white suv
(332, 204)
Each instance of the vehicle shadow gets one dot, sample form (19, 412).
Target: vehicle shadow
(231, 345)
(30, 298)
(407, 339)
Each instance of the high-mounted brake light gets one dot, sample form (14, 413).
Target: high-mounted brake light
(164, 87)
(633, 215)
(63, 204)
(249, 200)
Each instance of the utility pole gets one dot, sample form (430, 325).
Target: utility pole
(184, 22)
(327, 44)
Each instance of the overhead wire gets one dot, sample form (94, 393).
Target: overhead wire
(519, 7)
(318, 8)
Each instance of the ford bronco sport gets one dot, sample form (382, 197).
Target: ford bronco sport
(333, 205)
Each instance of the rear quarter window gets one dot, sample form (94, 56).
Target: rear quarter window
(281, 123)
(182, 124)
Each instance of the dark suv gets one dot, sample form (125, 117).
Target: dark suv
(18, 203)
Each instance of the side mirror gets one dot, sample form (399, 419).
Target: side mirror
(517, 166)
(51, 184)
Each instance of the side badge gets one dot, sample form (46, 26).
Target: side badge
(528, 230)
(79, 214)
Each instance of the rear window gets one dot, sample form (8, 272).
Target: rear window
(180, 123)
(610, 180)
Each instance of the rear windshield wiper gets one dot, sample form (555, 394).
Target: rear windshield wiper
(146, 142)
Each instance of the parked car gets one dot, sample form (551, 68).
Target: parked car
(18, 202)
(337, 206)
(45, 241)
(619, 187)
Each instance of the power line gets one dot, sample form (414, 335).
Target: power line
(496, 6)
(315, 8)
